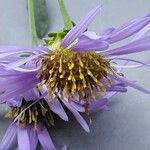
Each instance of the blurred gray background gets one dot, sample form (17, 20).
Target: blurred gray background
(126, 126)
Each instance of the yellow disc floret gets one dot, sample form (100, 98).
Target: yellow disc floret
(73, 73)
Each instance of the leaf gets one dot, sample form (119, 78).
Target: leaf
(41, 17)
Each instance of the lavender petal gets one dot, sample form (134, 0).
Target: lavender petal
(88, 44)
(80, 27)
(33, 139)
(8, 137)
(79, 118)
(45, 140)
(134, 47)
(23, 139)
(57, 108)
(21, 62)
(128, 29)
(133, 85)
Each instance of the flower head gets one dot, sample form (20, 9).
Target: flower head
(74, 69)
(32, 116)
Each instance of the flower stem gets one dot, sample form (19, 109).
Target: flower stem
(32, 22)
(67, 21)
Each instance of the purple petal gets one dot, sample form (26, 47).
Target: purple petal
(80, 27)
(33, 139)
(21, 62)
(23, 139)
(86, 44)
(142, 32)
(107, 32)
(31, 95)
(128, 29)
(57, 108)
(45, 140)
(90, 35)
(133, 84)
(77, 106)
(15, 102)
(26, 70)
(136, 61)
(79, 118)
(6, 54)
(134, 47)
(8, 137)
(20, 89)
(98, 104)
(117, 89)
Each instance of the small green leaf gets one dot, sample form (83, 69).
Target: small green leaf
(41, 17)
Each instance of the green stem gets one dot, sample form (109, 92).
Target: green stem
(67, 21)
(32, 23)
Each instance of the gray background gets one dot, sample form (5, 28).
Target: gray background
(127, 125)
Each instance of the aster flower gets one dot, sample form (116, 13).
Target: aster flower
(79, 64)
(75, 68)
(31, 117)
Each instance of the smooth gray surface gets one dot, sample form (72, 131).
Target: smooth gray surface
(127, 125)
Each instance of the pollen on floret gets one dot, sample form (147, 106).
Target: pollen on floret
(35, 115)
(71, 73)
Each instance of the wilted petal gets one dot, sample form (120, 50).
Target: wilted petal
(45, 140)
(80, 27)
(8, 137)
